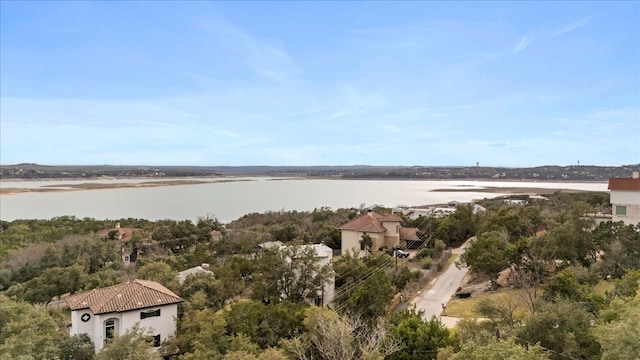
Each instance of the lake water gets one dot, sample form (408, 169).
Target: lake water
(230, 200)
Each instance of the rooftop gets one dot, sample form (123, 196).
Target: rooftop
(137, 294)
(371, 222)
(632, 184)
(410, 234)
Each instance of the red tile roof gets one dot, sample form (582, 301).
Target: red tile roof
(137, 294)
(371, 222)
(624, 184)
(410, 234)
(390, 217)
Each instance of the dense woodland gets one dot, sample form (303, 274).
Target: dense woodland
(578, 283)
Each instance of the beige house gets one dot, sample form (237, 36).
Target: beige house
(108, 312)
(385, 231)
(625, 199)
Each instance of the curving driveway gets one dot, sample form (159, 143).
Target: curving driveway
(444, 286)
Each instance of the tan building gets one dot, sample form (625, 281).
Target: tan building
(625, 199)
(384, 231)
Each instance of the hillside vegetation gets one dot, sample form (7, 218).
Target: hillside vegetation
(558, 259)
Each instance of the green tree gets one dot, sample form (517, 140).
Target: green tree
(366, 242)
(619, 335)
(294, 273)
(97, 254)
(370, 299)
(205, 283)
(420, 339)
(132, 345)
(563, 328)
(627, 286)
(488, 255)
(201, 331)
(499, 350)
(234, 273)
(564, 285)
(619, 246)
(265, 324)
(53, 282)
(158, 271)
(29, 332)
(288, 233)
(78, 347)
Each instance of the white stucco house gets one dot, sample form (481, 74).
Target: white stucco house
(384, 231)
(196, 270)
(108, 312)
(625, 199)
(327, 293)
(323, 255)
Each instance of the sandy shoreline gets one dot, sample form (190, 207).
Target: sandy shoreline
(89, 185)
(513, 190)
(106, 186)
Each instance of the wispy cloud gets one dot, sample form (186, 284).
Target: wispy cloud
(569, 27)
(264, 58)
(542, 34)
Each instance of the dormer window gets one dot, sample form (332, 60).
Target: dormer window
(150, 313)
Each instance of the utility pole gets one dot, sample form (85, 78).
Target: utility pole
(395, 255)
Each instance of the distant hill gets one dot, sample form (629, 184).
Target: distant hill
(547, 173)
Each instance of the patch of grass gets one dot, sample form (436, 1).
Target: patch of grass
(452, 259)
(467, 308)
(603, 286)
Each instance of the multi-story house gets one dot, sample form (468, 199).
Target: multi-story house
(625, 199)
(384, 231)
(108, 312)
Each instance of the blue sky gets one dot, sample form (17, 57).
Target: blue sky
(320, 83)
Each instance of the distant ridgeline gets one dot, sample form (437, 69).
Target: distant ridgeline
(554, 173)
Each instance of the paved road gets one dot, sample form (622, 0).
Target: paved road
(443, 288)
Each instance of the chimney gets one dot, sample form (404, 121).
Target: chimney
(205, 266)
(635, 175)
(370, 212)
(117, 225)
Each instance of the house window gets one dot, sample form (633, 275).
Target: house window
(397, 229)
(153, 340)
(150, 313)
(110, 329)
(621, 210)
(318, 301)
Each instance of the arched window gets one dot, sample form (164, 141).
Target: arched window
(110, 328)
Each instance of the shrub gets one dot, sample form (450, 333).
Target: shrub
(424, 253)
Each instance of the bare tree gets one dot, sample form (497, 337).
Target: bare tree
(332, 337)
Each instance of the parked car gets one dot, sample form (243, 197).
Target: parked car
(401, 253)
(395, 252)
